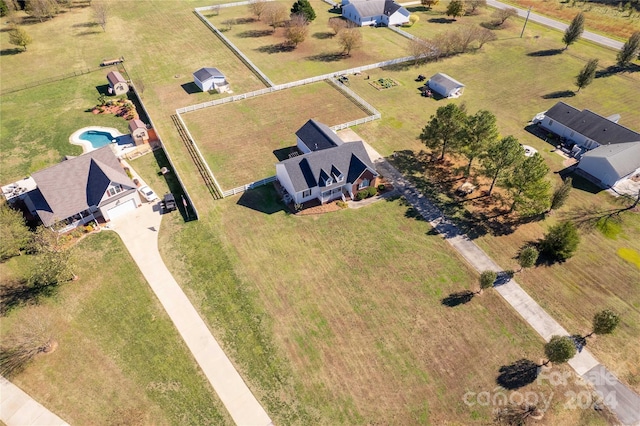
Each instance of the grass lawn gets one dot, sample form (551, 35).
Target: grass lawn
(605, 19)
(36, 123)
(340, 314)
(319, 54)
(119, 358)
(243, 140)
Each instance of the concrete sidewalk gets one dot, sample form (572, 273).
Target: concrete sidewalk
(19, 409)
(621, 400)
(139, 232)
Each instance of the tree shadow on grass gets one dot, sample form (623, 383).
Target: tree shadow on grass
(614, 69)
(323, 35)
(559, 94)
(84, 33)
(441, 20)
(19, 293)
(326, 57)
(255, 33)
(263, 199)
(543, 53)
(85, 25)
(190, 88)
(13, 51)
(404, 66)
(521, 373)
(275, 48)
(245, 20)
(459, 298)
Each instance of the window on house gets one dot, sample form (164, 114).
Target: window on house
(550, 122)
(306, 193)
(363, 184)
(115, 189)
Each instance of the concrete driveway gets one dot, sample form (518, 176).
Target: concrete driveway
(139, 232)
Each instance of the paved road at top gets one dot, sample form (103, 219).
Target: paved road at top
(551, 23)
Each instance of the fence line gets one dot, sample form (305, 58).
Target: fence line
(51, 80)
(235, 50)
(251, 185)
(284, 86)
(331, 3)
(222, 6)
(195, 146)
(403, 33)
(173, 167)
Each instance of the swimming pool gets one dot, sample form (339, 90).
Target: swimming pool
(96, 138)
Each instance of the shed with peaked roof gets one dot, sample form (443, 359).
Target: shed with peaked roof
(208, 79)
(139, 131)
(445, 85)
(117, 83)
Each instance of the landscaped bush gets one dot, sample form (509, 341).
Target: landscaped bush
(371, 191)
(361, 195)
(381, 187)
(342, 204)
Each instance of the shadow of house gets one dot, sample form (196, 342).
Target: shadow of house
(190, 88)
(263, 199)
(284, 153)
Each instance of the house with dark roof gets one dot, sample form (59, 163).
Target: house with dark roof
(374, 12)
(446, 86)
(208, 79)
(117, 83)
(608, 152)
(78, 190)
(334, 170)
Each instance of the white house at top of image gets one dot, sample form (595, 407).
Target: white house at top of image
(374, 12)
(608, 151)
(445, 85)
(208, 79)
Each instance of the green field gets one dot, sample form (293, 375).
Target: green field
(319, 54)
(243, 140)
(119, 358)
(332, 319)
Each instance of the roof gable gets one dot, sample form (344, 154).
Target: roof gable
(114, 77)
(307, 171)
(624, 158)
(591, 125)
(76, 184)
(317, 136)
(204, 74)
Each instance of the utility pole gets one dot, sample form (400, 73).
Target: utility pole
(525, 21)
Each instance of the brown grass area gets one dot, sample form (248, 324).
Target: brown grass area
(243, 140)
(601, 18)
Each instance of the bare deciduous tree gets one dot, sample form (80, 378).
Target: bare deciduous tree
(502, 15)
(338, 24)
(422, 50)
(274, 14)
(257, 7)
(349, 39)
(101, 12)
(297, 30)
(41, 9)
(473, 6)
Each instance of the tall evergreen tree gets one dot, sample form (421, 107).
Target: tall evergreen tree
(587, 74)
(528, 186)
(481, 131)
(574, 30)
(303, 7)
(455, 8)
(501, 157)
(629, 51)
(445, 129)
(561, 241)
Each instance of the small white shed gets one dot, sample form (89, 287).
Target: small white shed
(446, 86)
(210, 79)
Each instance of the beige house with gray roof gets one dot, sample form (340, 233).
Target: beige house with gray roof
(81, 189)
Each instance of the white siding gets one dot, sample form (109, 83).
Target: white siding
(133, 198)
(601, 169)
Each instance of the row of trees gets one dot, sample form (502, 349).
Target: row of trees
(449, 43)
(475, 137)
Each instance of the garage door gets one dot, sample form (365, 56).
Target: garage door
(121, 209)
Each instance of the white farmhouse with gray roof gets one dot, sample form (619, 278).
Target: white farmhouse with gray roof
(328, 168)
(374, 12)
(79, 190)
(608, 151)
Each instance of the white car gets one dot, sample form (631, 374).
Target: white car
(148, 193)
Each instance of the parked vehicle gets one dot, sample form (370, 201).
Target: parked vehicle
(169, 203)
(148, 193)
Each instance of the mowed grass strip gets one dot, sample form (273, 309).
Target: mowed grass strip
(243, 140)
(119, 358)
(344, 310)
(319, 54)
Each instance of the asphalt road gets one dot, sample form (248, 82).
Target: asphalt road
(552, 23)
